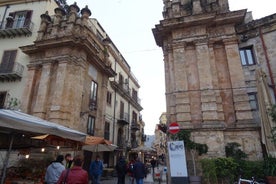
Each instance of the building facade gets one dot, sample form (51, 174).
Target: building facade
(73, 75)
(210, 76)
(160, 141)
(20, 22)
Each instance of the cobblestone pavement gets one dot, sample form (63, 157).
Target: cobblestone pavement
(148, 180)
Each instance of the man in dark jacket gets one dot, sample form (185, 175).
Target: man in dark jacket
(121, 168)
(139, 171)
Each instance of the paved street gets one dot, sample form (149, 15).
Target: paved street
(148, 180)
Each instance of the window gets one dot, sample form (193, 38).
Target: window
(93, 96)
(108, 97)
(253, 101)
(134, 117)
(19, 19)
(3, 95)
(90, 125)
(134, 94)
(8, 61)
(247, 57)
(122, 107)
(106, 130)
(121, 80)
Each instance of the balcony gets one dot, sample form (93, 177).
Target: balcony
(124, 92)
(123, 119)
(13, 74)
(135, 126)
(16, 27)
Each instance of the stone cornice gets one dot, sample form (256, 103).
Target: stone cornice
(208, 19)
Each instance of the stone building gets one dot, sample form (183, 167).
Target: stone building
(211, 57)
(160, 137)
(74, 75)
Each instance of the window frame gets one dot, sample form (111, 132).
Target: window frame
(109, 98)
(93, 95)
(255, 100)
(247, 60)
(91, 125)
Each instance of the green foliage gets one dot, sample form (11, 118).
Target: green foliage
(232, 150)
(272, 113)
(226, 169)
(209, 171)
(270, 166)
(189, 144)
(252, 168)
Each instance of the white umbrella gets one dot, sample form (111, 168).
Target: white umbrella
(98, 144)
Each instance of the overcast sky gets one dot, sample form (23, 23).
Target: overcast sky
(129, 24)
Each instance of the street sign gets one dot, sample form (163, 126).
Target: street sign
(174, 128)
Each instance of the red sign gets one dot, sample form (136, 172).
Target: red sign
(174, 128)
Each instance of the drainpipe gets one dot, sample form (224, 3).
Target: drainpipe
(7, 6)
(114, 112)
(267, 61)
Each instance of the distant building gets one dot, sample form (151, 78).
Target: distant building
(219, 72)
(160, 141)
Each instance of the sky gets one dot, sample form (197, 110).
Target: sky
(129, 24)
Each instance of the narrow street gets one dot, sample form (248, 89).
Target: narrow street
(148, 180)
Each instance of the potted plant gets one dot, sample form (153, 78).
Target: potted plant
(194, 148)
(270, 169)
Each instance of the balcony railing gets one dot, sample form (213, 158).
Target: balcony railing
(123, 118)
(16, 27)
(12, 74)
(123, 91)
(135, 126)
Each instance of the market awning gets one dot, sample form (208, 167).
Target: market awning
(14, 120)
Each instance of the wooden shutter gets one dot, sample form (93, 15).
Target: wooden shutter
(8, 61)
(28, 18)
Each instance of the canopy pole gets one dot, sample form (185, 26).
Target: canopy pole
(7, 161)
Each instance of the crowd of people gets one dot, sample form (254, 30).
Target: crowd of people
(73, 173)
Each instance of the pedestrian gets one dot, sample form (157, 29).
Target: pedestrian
(96, 170)
(153, 163)
(121, 168)
(54, 170)
(74, 175)
(139, 171)
(130, 170)
(69, 160)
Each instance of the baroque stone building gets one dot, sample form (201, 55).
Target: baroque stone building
(211, 58)
(73, 74)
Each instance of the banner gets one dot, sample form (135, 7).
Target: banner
(177, 158)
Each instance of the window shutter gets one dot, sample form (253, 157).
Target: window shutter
(28, 18)
(8, 61)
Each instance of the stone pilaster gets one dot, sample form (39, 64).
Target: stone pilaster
(40, 106)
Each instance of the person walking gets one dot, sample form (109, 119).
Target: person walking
(130, 170)
(74, 175)
(153, 164)
(121, 168)
(96, 170)
(54, 170)
(139, 171)
(69, 160)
